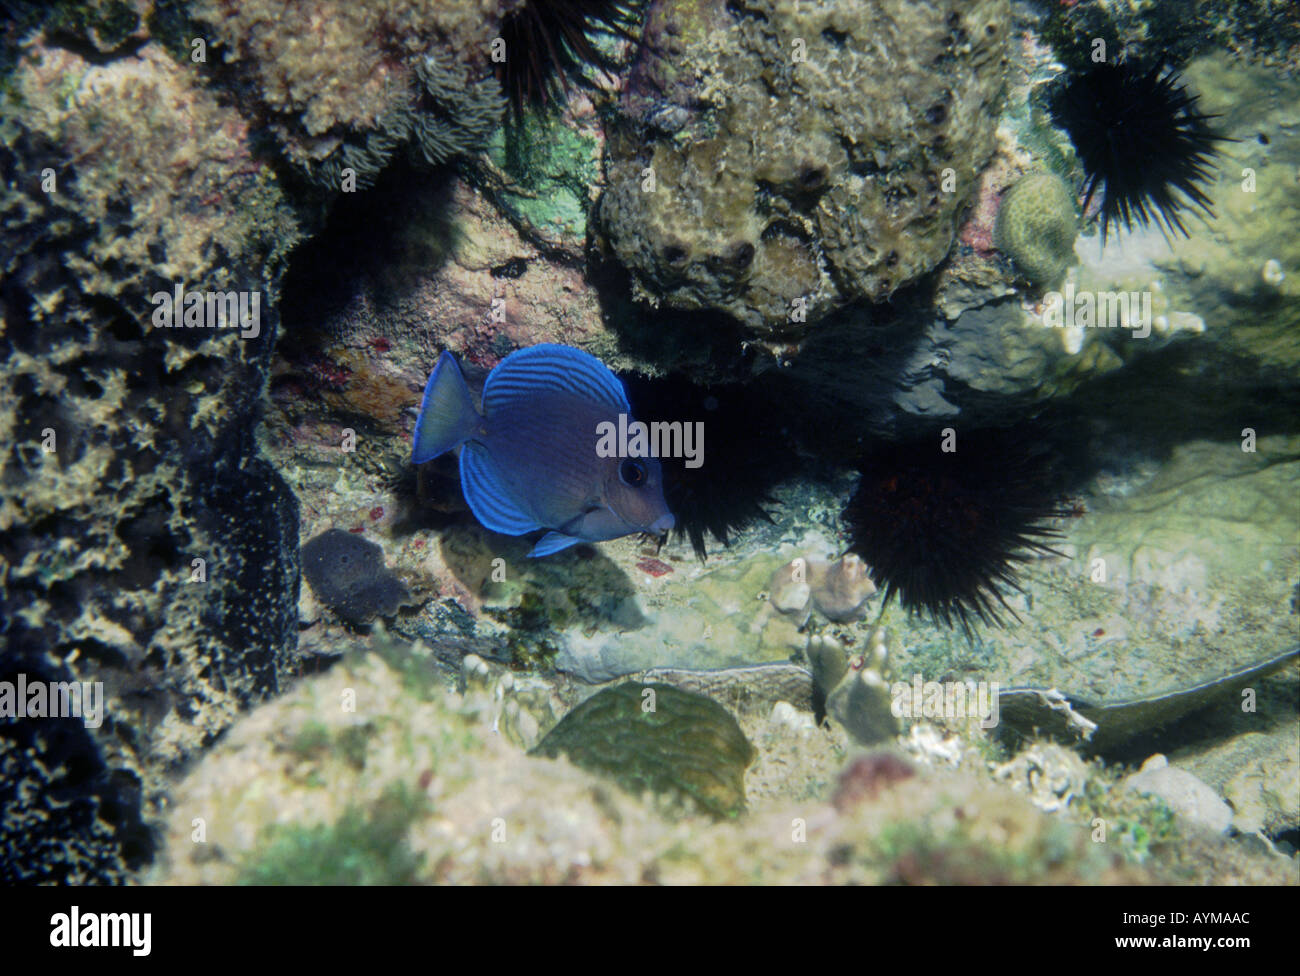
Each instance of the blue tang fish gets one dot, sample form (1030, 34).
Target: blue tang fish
(529, 460)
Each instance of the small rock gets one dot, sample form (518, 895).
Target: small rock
(786, 715)
(348, 575)
(1187, 795)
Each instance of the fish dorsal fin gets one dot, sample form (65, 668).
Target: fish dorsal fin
(487, 497)
(552, 368)
(552, 542)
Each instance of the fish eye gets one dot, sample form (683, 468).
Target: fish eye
(632, 473)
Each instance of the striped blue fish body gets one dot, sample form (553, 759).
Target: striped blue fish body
(530, 460)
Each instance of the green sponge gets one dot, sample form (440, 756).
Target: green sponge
(1037, 226)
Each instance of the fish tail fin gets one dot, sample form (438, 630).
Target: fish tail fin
(447, 415)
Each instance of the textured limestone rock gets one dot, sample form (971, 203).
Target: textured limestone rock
(346, 85)
(785, 158)
(146, 545)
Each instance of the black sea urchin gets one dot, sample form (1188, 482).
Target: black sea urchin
(941, 530)
(744, 454)
(1139, 133)
(549, 42)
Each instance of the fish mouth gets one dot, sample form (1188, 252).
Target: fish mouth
(663, 523)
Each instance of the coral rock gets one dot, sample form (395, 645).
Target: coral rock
(1187, 795)
(146, 543)
(1037, 226)
(838, 590)
(823, 156)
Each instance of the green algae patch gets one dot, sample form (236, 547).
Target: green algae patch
(675, 744)
(551, 167)
(365, 846)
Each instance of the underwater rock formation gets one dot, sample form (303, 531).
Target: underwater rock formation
(749, 171)
(346, 85)
(145, 544)
(417, 786)
(503, 816)
(1173, 32)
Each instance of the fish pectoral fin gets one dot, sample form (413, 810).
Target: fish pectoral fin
(552, 542)
(572, 526)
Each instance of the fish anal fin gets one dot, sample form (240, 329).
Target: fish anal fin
(553, 542)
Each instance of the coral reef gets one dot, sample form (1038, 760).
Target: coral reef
(1268, 29)
(145, 543)
(1036, 227)
(805, 227)
(748, 174)
(415, 786)
(1221, 303)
